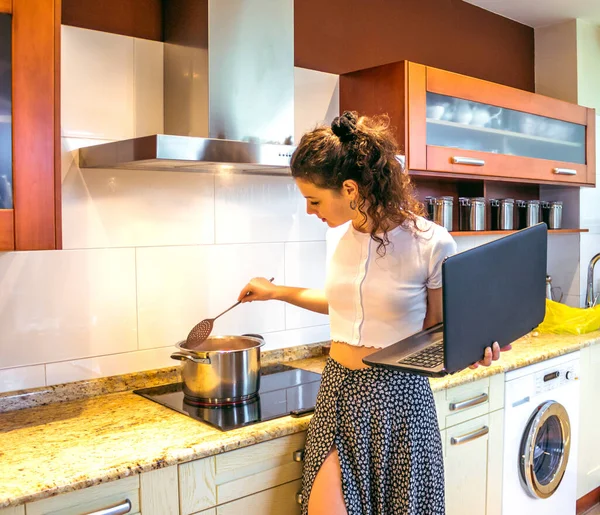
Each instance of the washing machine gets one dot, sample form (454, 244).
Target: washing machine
(541, 423)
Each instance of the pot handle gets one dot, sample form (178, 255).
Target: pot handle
(182, 356)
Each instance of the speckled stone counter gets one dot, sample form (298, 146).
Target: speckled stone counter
(66, 446)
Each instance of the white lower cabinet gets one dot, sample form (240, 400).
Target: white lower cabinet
(261, 478)
(274, 501)
(588, 459)
(94, 499)
(471, 418)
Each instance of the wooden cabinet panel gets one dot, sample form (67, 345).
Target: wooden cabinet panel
(159, 492)
(16, 510)
(36, 112)
(90, 499)
(500, 166)
(258, 481)
(7, 229)
(5, 6)
(275, 501)
(197, 490)
(258, 467)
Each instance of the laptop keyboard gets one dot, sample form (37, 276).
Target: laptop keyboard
(430, 357)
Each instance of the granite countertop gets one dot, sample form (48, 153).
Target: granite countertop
(61, 447)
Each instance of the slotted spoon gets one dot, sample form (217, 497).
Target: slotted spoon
(201, 331)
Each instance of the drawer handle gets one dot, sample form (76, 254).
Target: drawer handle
(457, 160)
(298, 455)
(564, 171)
(119, 509)
(299, 498)
(469, 437)
(456, 406)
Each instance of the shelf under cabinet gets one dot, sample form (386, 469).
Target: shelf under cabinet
(500, 233)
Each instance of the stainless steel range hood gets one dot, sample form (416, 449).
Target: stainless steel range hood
(228, 92)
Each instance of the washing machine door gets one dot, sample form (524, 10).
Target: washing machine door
(545, 449)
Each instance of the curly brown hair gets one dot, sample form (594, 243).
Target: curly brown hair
(361, 149)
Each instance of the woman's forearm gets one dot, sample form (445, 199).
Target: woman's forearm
(307, 298)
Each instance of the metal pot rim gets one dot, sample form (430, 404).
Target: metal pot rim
(258, 340)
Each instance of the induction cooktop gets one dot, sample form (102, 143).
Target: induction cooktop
(284, 391)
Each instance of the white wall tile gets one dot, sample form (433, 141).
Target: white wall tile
(304, 267)
(129, 208)
(563, 263)
(96, 84)
(104, 366)
(316, 99)
(252, 209)
(180, 286)
(57, 305)
(148, 87)
(468, 242)
(22, 378)
(575, 301)
(293, 337)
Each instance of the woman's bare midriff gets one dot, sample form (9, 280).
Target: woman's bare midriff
(350, 356)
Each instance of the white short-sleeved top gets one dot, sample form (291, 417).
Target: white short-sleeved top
(375, 301)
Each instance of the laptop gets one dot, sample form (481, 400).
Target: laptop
(494, 292)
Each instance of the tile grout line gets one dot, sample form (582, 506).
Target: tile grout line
(137, 304)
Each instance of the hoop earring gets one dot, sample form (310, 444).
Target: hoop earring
(352, 204)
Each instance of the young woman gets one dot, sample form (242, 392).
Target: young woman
(373, 444)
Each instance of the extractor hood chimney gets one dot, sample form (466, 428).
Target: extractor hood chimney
(229, 91)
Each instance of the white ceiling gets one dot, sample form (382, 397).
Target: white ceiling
(539, 13)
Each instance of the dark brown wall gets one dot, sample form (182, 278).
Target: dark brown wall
(138, 18)
(339, 36)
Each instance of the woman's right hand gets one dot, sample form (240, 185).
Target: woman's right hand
(258, 288)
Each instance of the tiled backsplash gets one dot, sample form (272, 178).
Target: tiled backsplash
(148, 254)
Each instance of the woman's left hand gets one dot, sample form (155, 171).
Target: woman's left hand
(491, 354)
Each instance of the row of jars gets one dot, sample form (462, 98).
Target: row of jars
(472, 213)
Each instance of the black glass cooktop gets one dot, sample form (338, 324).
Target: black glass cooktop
(283, 391)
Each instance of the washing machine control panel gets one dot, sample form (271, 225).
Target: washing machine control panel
(555, 377)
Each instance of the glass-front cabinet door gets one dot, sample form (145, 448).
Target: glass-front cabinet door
(6, 198)
(6, 166)
(463, 124)
(475, 127)
(29, 124)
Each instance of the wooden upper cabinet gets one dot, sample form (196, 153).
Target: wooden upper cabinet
(30, 125)
(458, 126)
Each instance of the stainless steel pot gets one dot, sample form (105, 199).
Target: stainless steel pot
(223, 369)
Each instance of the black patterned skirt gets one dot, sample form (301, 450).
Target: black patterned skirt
(384, 426)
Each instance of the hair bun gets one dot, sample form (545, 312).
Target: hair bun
(344, 126)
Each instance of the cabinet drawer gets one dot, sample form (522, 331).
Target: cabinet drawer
(275, 501)
(90, 500)
(470, 400)
(15, 510)
(232, 475)
(486, 164)
(466, 467)
(258, 467)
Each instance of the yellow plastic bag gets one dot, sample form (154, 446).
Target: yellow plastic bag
(561, 319)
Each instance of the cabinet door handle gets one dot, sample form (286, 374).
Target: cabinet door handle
(298, 455)
(119, 509)
(456, 406)
(564, 171)
(457, 160)
(469, 437)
